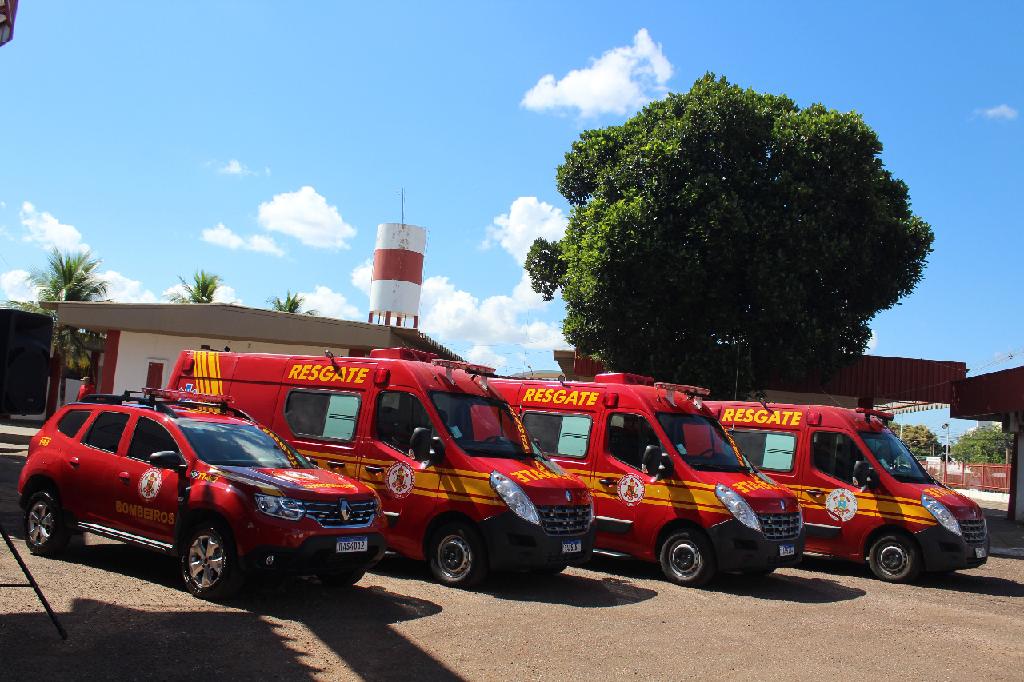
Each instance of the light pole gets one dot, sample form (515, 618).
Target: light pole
(945, 457)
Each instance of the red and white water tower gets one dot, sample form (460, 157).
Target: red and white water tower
(397, 274)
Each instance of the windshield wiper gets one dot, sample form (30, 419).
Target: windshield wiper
(710, 466)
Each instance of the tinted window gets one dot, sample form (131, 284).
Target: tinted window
(766, 449)
(835, 454)
(481, 426)
(106, 431)
(398, 414)
(150, 437)
(700, 441)
(322, 415)
(627, 438)
(71, 422)
(242, 445)
(565, 435)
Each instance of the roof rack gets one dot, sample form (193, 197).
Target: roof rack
(696, 394)
(160, 399)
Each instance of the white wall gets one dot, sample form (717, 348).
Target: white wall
(135, 352)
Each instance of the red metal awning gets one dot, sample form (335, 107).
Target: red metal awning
(988, 396)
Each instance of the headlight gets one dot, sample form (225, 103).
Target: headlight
(514, 497)
(281, 507)
(737, 506)
(941, 514)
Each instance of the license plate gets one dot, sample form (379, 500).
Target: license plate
(979, 552)
(787, 550)
(572, 546)
(351, 545)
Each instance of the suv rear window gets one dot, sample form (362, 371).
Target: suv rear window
(105, 432)
(72, 421)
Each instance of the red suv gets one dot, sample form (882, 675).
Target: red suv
(189, 476)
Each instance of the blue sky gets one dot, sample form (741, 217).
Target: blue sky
(138, 128)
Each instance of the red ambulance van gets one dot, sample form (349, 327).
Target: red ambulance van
(461, 485)
(864, 495)
(667, 482)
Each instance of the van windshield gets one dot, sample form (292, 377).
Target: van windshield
(701, 442)
(240, 445)
(482, 426)
(892, 454)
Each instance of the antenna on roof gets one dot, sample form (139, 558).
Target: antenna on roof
(403, 205)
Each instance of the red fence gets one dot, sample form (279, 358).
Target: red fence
(991, 477)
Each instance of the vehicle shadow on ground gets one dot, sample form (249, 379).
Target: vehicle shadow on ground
(775, 587)
(566, 589)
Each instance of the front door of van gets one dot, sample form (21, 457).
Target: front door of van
(834, 520)
(407, 487)
(620, 497)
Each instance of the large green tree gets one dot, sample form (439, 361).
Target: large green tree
(921, 440)
(730, 238)
(985, 444)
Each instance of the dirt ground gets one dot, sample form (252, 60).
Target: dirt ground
(128, 617)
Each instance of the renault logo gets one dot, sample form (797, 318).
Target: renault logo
(568, 496)
(346, 511)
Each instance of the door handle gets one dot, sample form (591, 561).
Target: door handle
(123, 475)
(815, 492)
(606, 481)
(376, 471)
(74, 462)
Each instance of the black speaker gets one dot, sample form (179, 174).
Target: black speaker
(24, 361)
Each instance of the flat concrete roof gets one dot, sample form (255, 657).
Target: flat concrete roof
(236, 322)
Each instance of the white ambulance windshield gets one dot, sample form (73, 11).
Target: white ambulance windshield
(700, 442)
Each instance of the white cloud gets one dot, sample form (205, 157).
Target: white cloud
(124, 289)
(362, 275)
(872, 342)
(1000, 112)
(16, 287)
(221, 235)
(49, 232)
(308, 217)
(235, 167)
(455, 314)
(526, 220)
(329, 303)
(621, 80)
(483, 355)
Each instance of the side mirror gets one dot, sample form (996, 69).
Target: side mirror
(167, 459)
(437, 447)
(864, 475)
(657, 462)
(419, 444)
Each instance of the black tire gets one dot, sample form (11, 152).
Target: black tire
(895, 558)
(457, 555)
(688, 559)
(343, 579)
(46, 531)
(211, 573)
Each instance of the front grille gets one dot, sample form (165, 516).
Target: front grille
(974, 531)
(780, 526)
(565, 520)
(328, 514)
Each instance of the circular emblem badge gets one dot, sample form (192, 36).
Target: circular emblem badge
(631, 489)
(400, 479)
(297, 476)
(841, 504)
(149, 484)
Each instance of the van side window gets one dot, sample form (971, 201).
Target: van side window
(150, 437)
(768, 450)
(565, 435)
(835, 454)
(105, 432)
(627, 438)
(398, 415)
(322, 414)
(72, 421)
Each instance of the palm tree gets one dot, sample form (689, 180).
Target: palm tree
(202, 290)
(292, 303)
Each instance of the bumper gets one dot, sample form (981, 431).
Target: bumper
(315, 555)
(741, 549)
(944, 551)
(514, 544)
